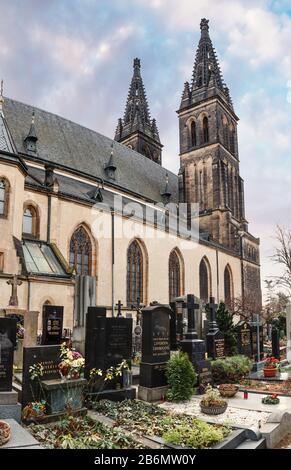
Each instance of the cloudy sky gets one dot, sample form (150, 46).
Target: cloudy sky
(74, 58)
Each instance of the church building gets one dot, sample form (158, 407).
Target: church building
(68, 242)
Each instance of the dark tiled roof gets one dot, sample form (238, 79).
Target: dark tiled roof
(65, 143)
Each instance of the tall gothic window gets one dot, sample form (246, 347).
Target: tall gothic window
(134, 273)
(4, 195)
(30, 222)
(204, 281)
(232, 139)
(174, 276)
(205, 130)
(81, 252)
(193, 134)
(227, 286)
(225, 134)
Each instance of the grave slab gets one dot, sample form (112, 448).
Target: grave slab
(20, 438)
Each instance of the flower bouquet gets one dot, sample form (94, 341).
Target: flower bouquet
(34, 411)
(271, 399)
(72, 363)
(270, 367)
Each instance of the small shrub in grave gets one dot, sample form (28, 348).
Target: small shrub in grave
(231, 369)
(198, 435)
(212, 398)
(181, 377)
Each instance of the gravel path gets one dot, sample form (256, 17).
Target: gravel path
(236, 416)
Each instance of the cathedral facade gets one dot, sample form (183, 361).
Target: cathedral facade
(70, 242)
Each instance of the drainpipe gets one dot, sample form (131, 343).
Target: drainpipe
(112, 261)
(217, 276)
(49, 218)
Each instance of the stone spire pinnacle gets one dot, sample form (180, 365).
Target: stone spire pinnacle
(137, 122)
(31, 138)
(206, 74)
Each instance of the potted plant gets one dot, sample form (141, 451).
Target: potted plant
(228, 390)
(5, 432)
(270, 367)
(211, 403)
(271, 399)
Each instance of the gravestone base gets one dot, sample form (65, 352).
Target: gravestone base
(8, 398)
(152, 394)
(195, 348)
(11, 412)
(257, 366)
(152, 375)
(114, 395)
(59, 394)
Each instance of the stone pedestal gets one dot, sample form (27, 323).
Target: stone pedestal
(152, 394)
(60, 394)
(18, 356)
(30, 329)
(9, 406)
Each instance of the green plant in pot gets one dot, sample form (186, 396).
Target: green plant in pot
(211, 403)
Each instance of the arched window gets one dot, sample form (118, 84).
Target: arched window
(30, 223)
(81, 252)
(134, 273)
(228, 286)
(225, 133)
(205, 130)
(174, 276)
(4, 197)
(193, 134)
(204, 280)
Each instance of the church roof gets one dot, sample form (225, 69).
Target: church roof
(71, 146)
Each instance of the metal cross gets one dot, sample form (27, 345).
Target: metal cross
(119, 306)
(191, 307)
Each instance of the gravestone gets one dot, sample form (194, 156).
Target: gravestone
(155, 352)
(108, 342)
(275, 339)
(257, 332)
(194, 347)
(215, 338)
(244, 339)
(288, 328)
(49, 357)
(173, 327)
(7, 345)
(52, 324)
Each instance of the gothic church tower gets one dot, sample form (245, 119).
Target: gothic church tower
(209, 173)
(137, 130)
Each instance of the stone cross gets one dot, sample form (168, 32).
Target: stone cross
(14, 282)
(212, 307)
(191, 307)
(119, 306)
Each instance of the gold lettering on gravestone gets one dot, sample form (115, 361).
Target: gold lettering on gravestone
(245, 338)
(161, 347)
(219, 347)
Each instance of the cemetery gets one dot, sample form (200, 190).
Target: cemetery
(155, 381)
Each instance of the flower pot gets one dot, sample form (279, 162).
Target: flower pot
(213, 410)
(5, 432)
(228, 390)
(270, 372)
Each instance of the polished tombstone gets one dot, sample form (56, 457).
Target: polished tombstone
(257, 333)
(173, 327)
(52, 324)
(9, 407)
(194, 347)
(215, 338)
(275, 338)
(49, 357)
(108, 342)
(244, 338)
(155, 352)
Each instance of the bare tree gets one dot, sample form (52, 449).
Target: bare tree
(282, 256)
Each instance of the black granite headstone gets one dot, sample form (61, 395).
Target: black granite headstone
(155, 346)
(52, 324)
(255, 343)
(275, 340)
(7, 345)
(215, 345)
(244, 340)
(173, 327)
(204, 371)
(49, 357)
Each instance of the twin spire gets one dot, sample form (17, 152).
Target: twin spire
(207, 77)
